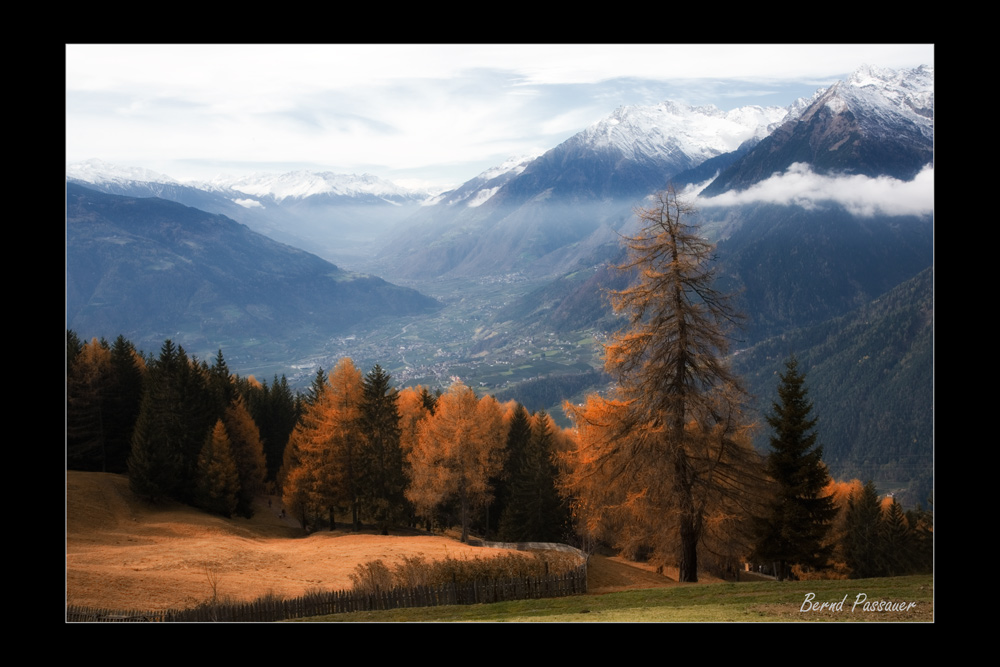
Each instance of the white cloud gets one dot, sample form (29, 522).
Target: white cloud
(861, 195)
(433, 112)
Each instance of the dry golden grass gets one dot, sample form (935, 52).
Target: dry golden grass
(124, 554)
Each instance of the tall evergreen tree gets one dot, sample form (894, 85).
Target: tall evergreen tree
(896, 541)
(518, 423)
(535, 512)
(383, 480)
(863, 538)
(155, 462)
(86, 408)
(175, 416)
(123, 399)
(275, 411)
(73, 347)
(799, 516)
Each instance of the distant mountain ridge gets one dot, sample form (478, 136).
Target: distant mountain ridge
(332, 215)
(148, 268)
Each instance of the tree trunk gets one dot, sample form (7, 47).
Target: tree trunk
(689, 550)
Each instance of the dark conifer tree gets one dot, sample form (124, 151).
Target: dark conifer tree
(155, 462)
(429, 399)
(199, 412)
(124, 395)
(275, 410)
(73, 347)
(518, 436)
(921, 523)
(383, 480)
(863, 537)
(220, 383)
(86, 408)
(799, 516)
(535, 512)
(175, 416)
(896, 543)
(318, 386)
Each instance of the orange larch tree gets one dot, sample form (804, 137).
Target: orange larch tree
(670, 446)
(459, 449)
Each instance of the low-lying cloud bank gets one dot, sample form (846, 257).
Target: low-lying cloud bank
(860, 195)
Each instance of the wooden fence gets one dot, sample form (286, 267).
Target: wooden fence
(338, 602)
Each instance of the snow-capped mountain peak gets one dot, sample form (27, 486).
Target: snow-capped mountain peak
(659, 131)
(302, 184)
(97, 171)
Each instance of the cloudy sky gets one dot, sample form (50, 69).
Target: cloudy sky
(419, 115)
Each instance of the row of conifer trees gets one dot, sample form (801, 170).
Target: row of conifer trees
(355, 448)
(349, 446)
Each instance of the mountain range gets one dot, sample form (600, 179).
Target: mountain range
(811, 268)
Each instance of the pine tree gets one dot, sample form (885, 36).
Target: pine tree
(86, 409)
(896, 541)
(863, 538)
(383, 480)
(218, 481)
(535, 512)
(518, 423)
(122, 404)
(799, 516)
(155, 464)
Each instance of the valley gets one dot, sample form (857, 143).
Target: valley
(461, 340)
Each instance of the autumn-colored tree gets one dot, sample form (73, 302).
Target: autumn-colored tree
(247, 452)
(459, 449)
(669, 447)
(345, 396)
(218, 480)
(322, 459)
(412, 410)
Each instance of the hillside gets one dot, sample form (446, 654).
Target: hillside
(151, 269)
(123, 554)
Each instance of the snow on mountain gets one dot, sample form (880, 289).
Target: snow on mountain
(476, 191)
(513, 165)
(302, 184)
(890, 96)
(97, 172)
(656, 132)
(877, 122)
